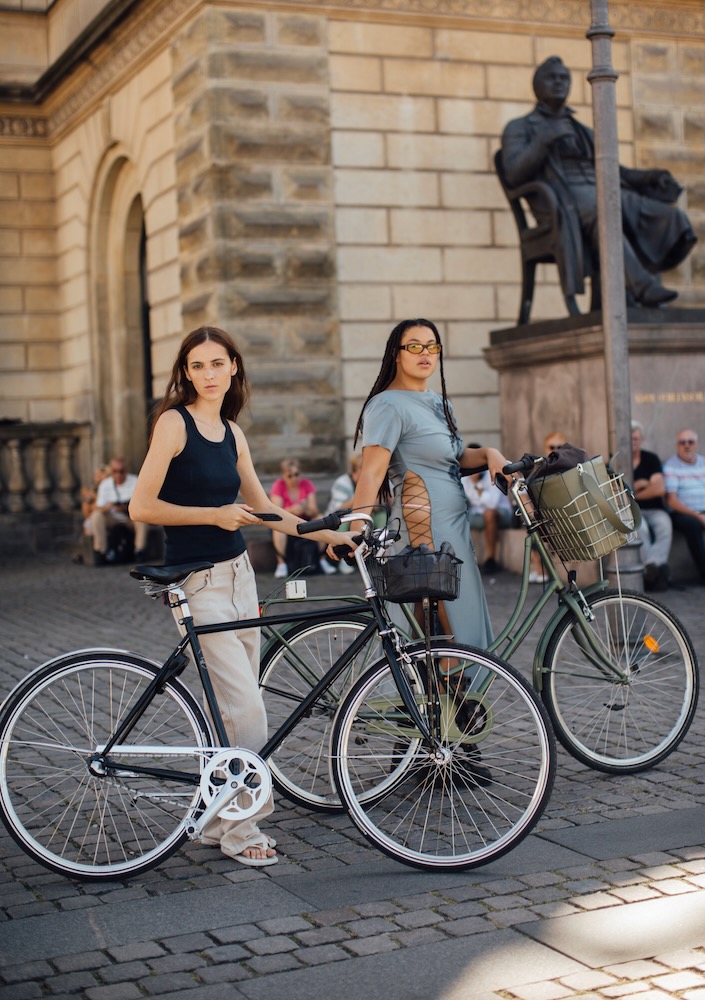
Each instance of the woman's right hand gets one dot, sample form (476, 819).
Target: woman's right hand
(232, 516)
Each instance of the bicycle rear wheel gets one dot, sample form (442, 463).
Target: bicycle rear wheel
(471, 798)
(289, 671)
(77, 823)
(612, 725)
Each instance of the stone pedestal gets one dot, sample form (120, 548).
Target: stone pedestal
(552, 378)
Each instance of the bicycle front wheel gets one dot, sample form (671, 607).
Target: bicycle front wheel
(87, 825)
(471, 796)
(628, 724)
(289, 671)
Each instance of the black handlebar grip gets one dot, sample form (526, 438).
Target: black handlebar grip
(330, 522)
(525, 463)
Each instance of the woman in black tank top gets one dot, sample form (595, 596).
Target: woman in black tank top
(197, 463)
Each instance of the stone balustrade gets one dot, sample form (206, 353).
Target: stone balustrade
(40, 466)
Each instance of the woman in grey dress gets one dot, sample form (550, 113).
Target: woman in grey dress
(410, 443)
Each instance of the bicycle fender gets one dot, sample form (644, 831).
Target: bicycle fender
(544, 638)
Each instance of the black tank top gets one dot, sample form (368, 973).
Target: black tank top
(203, 475)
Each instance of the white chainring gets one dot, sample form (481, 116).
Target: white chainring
(243, 771)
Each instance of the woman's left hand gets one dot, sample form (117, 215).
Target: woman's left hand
(495, 462)
(342, 538)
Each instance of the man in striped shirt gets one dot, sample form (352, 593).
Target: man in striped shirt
(685, 494)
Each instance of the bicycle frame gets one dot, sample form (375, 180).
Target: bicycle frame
(379, 624)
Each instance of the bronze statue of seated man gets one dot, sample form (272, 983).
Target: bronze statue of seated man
(550, 145)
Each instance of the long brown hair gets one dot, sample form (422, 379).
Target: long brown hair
(388, 370)
(180, 390)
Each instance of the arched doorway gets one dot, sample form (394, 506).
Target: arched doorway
(121, 343)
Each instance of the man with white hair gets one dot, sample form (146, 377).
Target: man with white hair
(685, 494)
(656, 530)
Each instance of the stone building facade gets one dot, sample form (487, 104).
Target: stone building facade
(301, 174)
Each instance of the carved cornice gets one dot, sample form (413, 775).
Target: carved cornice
(146, 24)
(23, 127)
(151, 25)
(652, 16)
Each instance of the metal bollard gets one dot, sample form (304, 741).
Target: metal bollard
(627, 560)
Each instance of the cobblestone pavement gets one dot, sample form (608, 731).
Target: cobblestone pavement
(603, 900)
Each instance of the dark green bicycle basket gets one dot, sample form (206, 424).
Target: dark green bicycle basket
(416, 573)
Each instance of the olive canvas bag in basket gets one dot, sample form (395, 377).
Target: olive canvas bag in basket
(588, 509)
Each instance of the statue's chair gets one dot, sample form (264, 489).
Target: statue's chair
(541, 243)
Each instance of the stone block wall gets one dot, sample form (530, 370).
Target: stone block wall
(669, 124)
(256, 215)
(30, 368)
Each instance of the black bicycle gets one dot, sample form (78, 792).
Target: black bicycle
(441, 753)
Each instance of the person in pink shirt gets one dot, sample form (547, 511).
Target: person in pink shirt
(297, 495)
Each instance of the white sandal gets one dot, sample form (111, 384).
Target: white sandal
(264, 845)
(210, 842)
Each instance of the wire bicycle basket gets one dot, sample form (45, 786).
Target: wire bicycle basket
(417, 573)
(584, 513)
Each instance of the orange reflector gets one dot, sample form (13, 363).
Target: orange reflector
(651, 644)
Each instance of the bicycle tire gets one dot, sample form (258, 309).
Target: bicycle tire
(66, 818)
(613, 726)
(437, 810)
(289, 670)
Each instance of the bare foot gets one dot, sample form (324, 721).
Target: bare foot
(259, 853)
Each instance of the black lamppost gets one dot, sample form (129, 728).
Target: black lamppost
(602, 77)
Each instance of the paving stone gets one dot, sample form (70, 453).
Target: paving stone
(284, 925)
(682, 959)
(265, 965)
(125, 972)
(592, 980)
(372, 945)
(73, 982)
(509, 918)
(674, 887)
(237, 933)
(121, 991)
(321, 954)
(177, 963)
(228, 972)
(633, 893)
(418, 936)
(25, 971)
(271, 945)
(541, 991)
(678, 981)
(624, 990)
(467, 926)
(87, 960)
(635, 970)
(187, 942)
(416, 918)
(227, 953)
(22, 991)
(172, 982)
(135, 951)
(595, 901)
(372, 925)
(377, 908)
(321, 935)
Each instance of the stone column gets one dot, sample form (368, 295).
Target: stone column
(257, 221)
